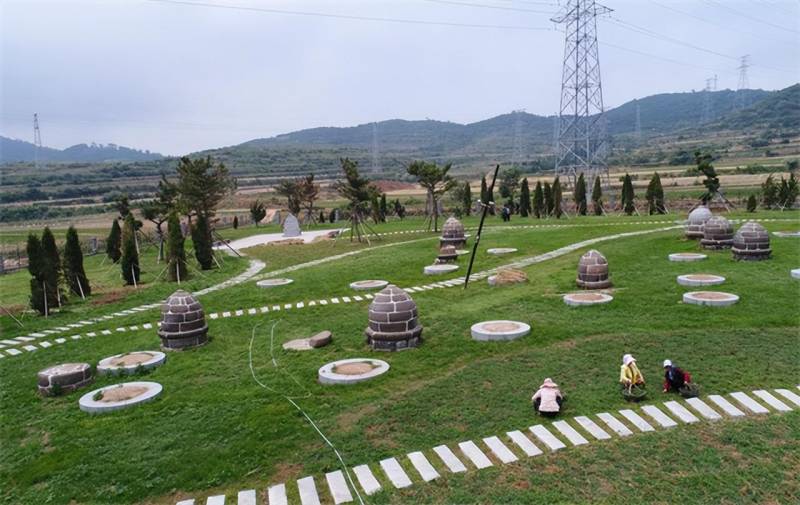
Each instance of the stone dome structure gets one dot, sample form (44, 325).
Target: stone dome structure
(447, 254)
(393, 321)
(751, 242)
(717, 233)
(64, 378)
(697, 220)
(453, 233)
(593, 271)
(183, 323)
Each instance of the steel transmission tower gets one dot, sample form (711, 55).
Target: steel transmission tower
(376, 161)
(708, 107)
(581, 128)
(516, 156)
(37, 139)
(638, 127)
(744, 82)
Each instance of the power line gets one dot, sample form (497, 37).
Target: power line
(757, 20)
(485, 6)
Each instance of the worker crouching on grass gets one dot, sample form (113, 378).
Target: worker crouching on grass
(548, 399)
(629, 373)
(675, 379)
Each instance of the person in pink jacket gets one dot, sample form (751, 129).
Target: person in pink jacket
(547, 400)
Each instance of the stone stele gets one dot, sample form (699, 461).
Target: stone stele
(393, 321)
(291, 227)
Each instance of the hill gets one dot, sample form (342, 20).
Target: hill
(13, 150)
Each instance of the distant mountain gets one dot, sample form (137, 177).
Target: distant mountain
(779, 110)
(13, 150)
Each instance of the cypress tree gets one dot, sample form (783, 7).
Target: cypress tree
(525, 199)
(752, 203)
(235, 222)
(770, 193)
(130, 256)
(384, 207)
(201, 238)
(484, 191)
(490, 195)
(51, 265)
(176, 254)
(628, 195)
(467, 196)
(548, 200)
(580, 195)
(538, 200)
(597, 197)
(655, 195)
(36, 269)
(73, 265)
(557, 197)
(113, 242)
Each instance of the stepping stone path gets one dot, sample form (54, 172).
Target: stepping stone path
(524, 443)
(474, 454)
(710, 298)
(440, 269)
(687, 257)
(308, 491)
(590, 426)
(338, 487)
(749, 403)
(580, 299)
(614, 424)
(681, 412)
(272, 283)
(499, 251)
(449, 459)
(366, 478)
(368, 285)
(499, 330)
(659, 416)
(792, 397)
(770, 400)
(547, 438)
(636, 420)
(499, 449)
(395, 473)
(568, 431)
(700, 280)
(703, 408)
(726, 406)
(423, 466)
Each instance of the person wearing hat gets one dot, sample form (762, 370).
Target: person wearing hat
(629, 373)
(674, 377)
(547, 400)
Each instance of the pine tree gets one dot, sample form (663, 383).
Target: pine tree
(628, 195)
(235, 222)
(557, 197)
(548, 200)
(36, 269)
(176, 254)
(51, 268)
(788, 192)
(769, 193)
(752, 204)
(525, 199)
(597, 197)
(467, 199)
(201, 239)
(384, 208)
(113, 242)
(257, 212)
(130, 256)
(538, 200)
(580, 195)
(655, 196)
(73, 265)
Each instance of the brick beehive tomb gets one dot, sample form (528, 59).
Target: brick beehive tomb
(593, 271)
(64, 378)
(717, 233)
(393, 321)
(696, 222)
(183, 323)
(751, 242)
(453, 233)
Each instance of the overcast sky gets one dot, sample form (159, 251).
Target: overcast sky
(174, 78)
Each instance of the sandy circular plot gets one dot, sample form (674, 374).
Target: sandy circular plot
(687, 257)
(497, 251)
(499, 330)
(271, 283)
(119, 396)
(700, 280)
(712, 298)
(127, 363)
(579, 299)
(796, 273)
(786, 234)
(351, 371)
(369, 284)
(439, 269)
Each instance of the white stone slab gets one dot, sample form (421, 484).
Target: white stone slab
(265, 309)
(681, 412)
(703, 408)
(524, 443)
(299, 305)
(636, 419)
(726, 406)
(186, 502)
(395, 473)
(768, 397)
(91, 334)
(30, 347)
(547, 438)
(308, 491)
(449, 459)
(474, 454)
(216, 500)
(423, 466)
(226, 314)
(367, 480)
(592, 427)
(45, 344)
(568, 431)
(338, 486)
(659, 416)
(247, 497)
(614, 424)
(334, 300)
(500, 450)
(13, 352)
(789, 395)
(251, 311)
(749, 403)
(60, 340)
(25, 339)
(239, 312)
(346, 299)
(276, 495)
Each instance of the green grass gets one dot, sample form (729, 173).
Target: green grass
(214, 430)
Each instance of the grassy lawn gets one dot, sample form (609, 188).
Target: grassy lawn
(214, 430)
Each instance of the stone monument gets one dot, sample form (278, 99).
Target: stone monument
(751, 242)
(453, 233)
(697, 219)
(291, 227)
(393, 321)
(183, 323)
(593, 271)
(717, 233)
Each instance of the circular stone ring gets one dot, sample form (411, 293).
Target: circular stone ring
(368, 285)
(499, 330)
(351, 371)
(579, 299)
(271, 283)
(687, 257)
(497, 251)
(129, 362)
(439, 269)
(712, 298)
(119, 396)
(700, 280)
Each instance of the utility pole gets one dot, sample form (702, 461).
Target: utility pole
(376, 162)
(516, 157)
(581, 125)
(744, 82)
(37, 139)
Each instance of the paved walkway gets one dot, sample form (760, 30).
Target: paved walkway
(512, 446)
